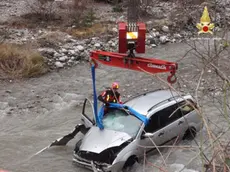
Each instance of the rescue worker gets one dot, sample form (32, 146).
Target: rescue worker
(111, 95)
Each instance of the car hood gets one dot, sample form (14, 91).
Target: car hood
(97, 140)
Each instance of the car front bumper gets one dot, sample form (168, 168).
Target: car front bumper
(92, 165)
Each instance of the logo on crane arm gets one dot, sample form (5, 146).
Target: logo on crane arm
(205, 25)
(105, 58)
(150, 65)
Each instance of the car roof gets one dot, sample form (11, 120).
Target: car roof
(144, 102)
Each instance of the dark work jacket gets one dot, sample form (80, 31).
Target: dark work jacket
(108, 96)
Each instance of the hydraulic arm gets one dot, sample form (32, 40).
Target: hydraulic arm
(138, 63)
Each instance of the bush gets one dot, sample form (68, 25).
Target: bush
(85, 20)
(118, 8)
(18, 62)
(43, 9)
(57, 14)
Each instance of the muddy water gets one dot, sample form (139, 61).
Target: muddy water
(37, 111)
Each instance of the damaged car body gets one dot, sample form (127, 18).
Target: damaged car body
(125, 138)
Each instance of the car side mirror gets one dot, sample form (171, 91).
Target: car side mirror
(147, 135)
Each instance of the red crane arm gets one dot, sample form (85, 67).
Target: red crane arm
(150, 65)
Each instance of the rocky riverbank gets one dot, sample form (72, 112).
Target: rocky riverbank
(63, 50)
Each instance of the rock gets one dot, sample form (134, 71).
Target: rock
(95, 38)
(49, 51)
(115, 30)
(3, 105)
(154, 41)
(217, 93)
(87, 41)
(71, 52)
(147, 42)
(23, 39)
(177, 35)
(120, 19)
(111, 43)
(80, 48)
(163, 39)
(153, 45)
(59, 64)
(70, 62)
(63, 50)
(217, 29)
(165, 29)
(155, 34)
(202, 88)
(63, 58)
(173, 40)
(8, 91)
(19, 34)
(97, 45)
(149, 24)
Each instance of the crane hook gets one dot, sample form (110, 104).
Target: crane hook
(173, 75)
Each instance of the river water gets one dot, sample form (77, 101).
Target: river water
(35, 112)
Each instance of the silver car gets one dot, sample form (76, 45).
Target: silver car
(125, 138)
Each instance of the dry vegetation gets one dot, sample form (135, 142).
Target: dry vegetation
(18, 62)
(63, 14)
(94, 30)
(209, 82)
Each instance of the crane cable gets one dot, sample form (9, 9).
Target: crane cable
(133, 15)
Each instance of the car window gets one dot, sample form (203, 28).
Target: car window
(162, 118)
(153, 124)
(119, 120)
(169, 115)
(186, 107)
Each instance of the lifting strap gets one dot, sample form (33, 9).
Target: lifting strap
(94, 95)
(99, 116)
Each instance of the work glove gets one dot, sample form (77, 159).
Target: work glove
(126, 107)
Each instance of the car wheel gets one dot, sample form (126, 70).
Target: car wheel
(130, 162)
(77, 146)
(190, 134)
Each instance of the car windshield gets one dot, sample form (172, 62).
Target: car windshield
(119, 120)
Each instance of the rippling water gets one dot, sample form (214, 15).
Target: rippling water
(34, 113)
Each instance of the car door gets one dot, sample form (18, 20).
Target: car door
(87, 116)
(172, 121)
(158, 134)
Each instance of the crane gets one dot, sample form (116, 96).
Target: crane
(132, 35)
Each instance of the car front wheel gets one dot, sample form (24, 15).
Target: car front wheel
(130, 162)
(190, 134)
(77, 146)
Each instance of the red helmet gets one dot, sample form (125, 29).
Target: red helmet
(115, 85)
